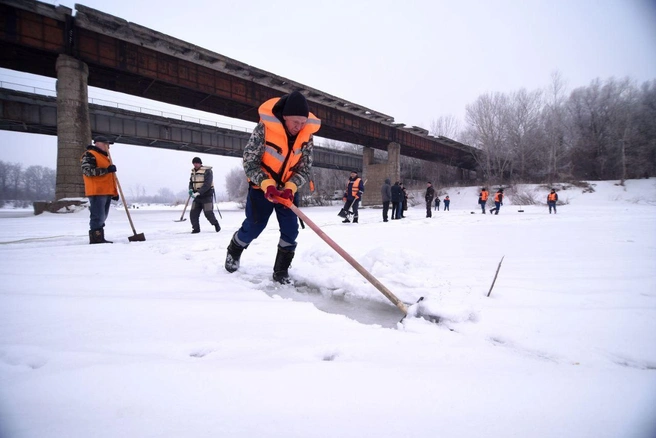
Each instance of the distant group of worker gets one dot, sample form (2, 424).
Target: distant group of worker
(498, 200)
(552, 199)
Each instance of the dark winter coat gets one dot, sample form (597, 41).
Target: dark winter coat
(386, 191)
(354, 189)
(430, 194)
(405, 198)
(397, 193)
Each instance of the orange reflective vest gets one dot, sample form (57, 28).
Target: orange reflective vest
(498, 197)
(278, 160)
(552, 197)
(484, 195)
(355, 188)
(103, 184)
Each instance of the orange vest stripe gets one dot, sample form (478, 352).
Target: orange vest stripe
(355, 187)
(277, 160)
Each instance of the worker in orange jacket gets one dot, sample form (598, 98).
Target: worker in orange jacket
(277, 160)
(482, 199)
(498, 201)
(552, 198)
(352, 195)
(99, 177)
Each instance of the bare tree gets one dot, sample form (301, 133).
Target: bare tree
(486, 119)
(137, 191)
(236, 184)
(523, 130)
(606, 130)
(641, 158)
(165, 195)
(599, 117)
(446, 126)
(4, 179)
(14, 180)
(39, 183)
(326, 181)
(554, 119)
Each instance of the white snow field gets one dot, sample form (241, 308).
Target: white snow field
(156, 339)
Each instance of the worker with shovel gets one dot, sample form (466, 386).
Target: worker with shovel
(201, 188)
(99, 177)
(277, 161)
(354, 190)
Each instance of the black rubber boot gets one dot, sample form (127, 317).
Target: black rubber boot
(346, 221)
(102, 232)
(233, 256)
(355, 219)
(217, 227)
(98, 236)
(281, 266)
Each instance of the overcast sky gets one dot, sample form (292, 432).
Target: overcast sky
(413, 60)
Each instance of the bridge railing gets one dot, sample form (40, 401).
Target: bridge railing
(134, 108)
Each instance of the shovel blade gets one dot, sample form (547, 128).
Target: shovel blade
(180, 220)
(137, 238)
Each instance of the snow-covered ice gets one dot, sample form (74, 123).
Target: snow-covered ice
(156, 339)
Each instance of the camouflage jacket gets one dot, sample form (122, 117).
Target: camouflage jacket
(253, 157)
(89, 164)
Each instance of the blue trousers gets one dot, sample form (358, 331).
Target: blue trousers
(99, 210)
(552, 204)
(258, 211)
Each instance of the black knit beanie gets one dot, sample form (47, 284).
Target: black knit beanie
(196, 160)
(296, 105)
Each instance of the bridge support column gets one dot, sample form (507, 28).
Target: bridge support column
(73, 127)
(375, 174)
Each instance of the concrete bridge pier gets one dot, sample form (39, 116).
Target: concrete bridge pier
(375, 174)
(73, 126)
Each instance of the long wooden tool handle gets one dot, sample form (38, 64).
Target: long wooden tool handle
(346, 256)
(125, 205)
(185, 207)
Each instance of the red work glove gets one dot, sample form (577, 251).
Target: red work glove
(272, 191)
(287, 194)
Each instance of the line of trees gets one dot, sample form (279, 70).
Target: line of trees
(606, 130)
(35, 183)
